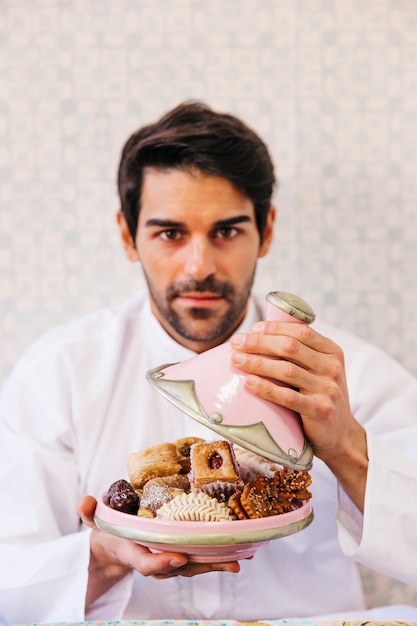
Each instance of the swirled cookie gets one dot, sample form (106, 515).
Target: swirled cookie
(195, 507)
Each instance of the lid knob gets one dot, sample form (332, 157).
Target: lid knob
(279, 302)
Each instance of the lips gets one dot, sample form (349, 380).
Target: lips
(200, 299)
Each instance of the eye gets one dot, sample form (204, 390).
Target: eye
(226, 232)
(171, 234)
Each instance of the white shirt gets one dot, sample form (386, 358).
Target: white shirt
(78, 403)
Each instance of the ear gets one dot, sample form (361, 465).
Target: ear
(268, 232)
(127, 240)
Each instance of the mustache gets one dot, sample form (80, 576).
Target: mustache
(218, 287)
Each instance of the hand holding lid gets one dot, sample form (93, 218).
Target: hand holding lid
(209, 389)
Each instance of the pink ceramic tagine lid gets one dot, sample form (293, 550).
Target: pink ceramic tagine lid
(209, 389)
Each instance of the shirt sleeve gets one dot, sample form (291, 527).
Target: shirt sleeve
(384, 538)
(47, 443)
(384, 400)
(44, 551)
(48, 586)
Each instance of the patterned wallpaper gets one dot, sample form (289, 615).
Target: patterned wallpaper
(331, 85)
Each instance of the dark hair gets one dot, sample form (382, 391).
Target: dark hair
(192, 135)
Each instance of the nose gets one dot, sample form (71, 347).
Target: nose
(199, 258)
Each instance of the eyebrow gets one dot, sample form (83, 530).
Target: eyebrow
(231, 221)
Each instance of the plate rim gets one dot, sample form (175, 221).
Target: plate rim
(215, 533)
(197, 539)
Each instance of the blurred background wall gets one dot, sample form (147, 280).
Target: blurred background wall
(331, 85)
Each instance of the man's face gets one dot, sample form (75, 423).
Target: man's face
(198, 244)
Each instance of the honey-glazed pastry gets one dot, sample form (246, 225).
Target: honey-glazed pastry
(157, 491)
(293, 480)
(159, 460)
(282, 493)
(293, 484)
(263, 498)
(183, 451)
(195, 507)
(213, 462)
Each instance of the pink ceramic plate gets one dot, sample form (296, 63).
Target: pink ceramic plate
(203, 542)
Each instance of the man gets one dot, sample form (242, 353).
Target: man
(195, 190)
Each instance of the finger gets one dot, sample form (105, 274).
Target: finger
(305, 333)
(148, 563)
(277, 370)
(195, 569)
(294, 342)
(132, 555)
(265, 354)
(280, 394)
(320, 400)
(85, 510)
(273, 347)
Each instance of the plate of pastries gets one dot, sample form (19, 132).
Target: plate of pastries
(211, 500)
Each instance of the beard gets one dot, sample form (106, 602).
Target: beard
(200, 324)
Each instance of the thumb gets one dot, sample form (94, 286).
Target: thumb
(85, 510)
